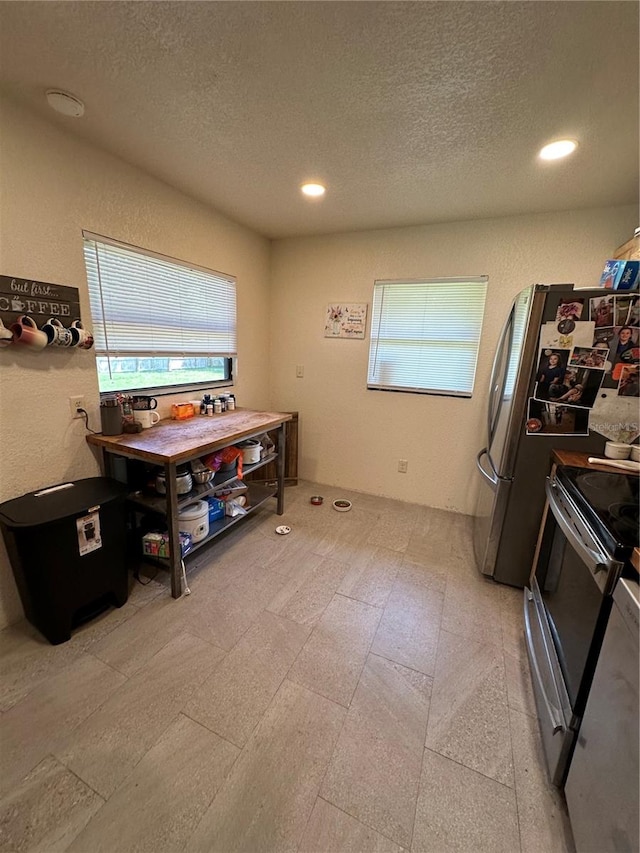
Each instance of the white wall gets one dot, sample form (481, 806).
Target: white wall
(53, 186)
(352, 437)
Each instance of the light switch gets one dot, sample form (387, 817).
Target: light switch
(299, 371)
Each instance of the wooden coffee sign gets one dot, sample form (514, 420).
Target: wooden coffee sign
(39, 300)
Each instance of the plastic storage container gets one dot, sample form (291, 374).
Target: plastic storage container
(67, 547)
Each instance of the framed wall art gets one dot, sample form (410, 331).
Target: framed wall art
(346, 320)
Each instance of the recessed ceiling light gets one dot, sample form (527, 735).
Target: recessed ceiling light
(556, 150)
(313, 190)
(65, 103)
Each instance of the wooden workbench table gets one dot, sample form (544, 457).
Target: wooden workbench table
(173, 442)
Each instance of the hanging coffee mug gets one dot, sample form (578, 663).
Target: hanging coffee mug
(83, 338)
(26, 333)
(6, 335)
(56, 333)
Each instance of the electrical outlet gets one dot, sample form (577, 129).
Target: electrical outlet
(299, 371)
(76, 403)
(402, 466)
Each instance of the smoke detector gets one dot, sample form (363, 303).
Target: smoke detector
(65, 103)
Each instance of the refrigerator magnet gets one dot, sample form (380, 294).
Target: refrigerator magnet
(553, 419)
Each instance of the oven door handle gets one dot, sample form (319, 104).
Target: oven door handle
(557, 723)
(595, 559)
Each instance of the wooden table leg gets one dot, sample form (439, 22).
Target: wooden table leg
(280, 467)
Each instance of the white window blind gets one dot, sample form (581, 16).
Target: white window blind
(145, 304)
(425, 335)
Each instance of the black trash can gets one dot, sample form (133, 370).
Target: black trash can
(67, 547)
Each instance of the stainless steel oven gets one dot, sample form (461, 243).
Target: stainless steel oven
(590, 530)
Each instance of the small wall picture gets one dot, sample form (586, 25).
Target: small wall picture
(345, 320)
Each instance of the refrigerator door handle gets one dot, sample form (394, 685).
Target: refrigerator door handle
(497, 388)
(491, 477)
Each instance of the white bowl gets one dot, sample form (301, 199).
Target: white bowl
(617, 450)
(635, 452)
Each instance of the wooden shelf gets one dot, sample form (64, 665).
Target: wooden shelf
(158, 503)
(258, 496)
(270, 474)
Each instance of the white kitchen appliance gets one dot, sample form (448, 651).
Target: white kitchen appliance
(513, 462)
(194, 519)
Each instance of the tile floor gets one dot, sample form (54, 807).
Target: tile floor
(353, 686)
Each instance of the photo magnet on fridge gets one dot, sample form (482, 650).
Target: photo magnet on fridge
(588, 357)
(582, 385)
(550, 373)
(624, 345)
(569, 309)
(633, 318)
(623, 305)
(629, 381)
(553, 419)
(601, 311)
(566, 334)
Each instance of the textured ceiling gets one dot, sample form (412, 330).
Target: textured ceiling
(409, 112)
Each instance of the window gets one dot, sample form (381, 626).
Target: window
(158, 323)
(425, 335)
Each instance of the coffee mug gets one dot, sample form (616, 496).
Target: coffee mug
(6, 335)
(27, 333)
(82, 338)
(56, 333)
(142, 403)
(146, 418)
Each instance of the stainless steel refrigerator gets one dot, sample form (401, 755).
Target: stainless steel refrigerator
(513, 465)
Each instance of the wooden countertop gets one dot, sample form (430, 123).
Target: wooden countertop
(176, 441)
(580, 460)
